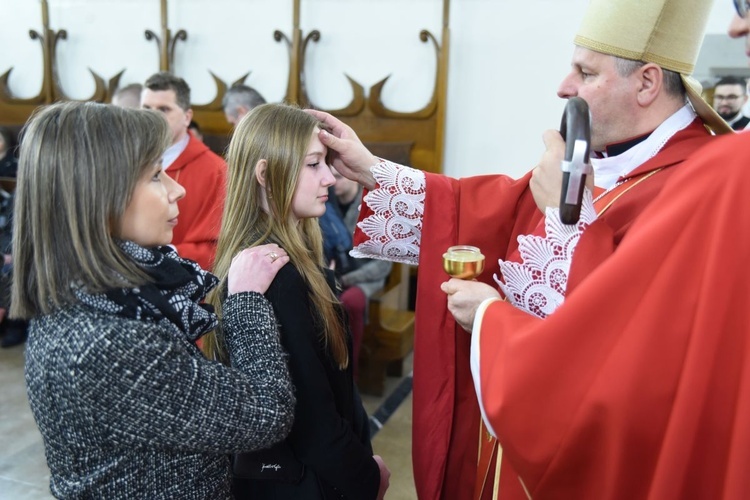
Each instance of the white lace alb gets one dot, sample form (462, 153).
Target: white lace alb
(537, 284)
(394, 231)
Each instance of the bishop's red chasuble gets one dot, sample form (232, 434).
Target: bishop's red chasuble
(489, 212)
(638, 386)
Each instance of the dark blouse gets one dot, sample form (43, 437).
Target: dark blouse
(330, 435)
(8, 165)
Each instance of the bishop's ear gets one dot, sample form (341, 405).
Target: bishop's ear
(651, 83)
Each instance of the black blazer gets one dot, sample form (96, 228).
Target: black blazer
(330, 436)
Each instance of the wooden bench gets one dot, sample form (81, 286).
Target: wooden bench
(389, 333)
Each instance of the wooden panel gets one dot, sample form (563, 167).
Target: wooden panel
(422, 130)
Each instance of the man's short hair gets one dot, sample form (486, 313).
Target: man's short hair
(128, 96)
(167, 81)
(672, 80)
(241, 96)
(731, 80)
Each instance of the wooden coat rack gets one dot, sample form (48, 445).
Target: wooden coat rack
(414, 138)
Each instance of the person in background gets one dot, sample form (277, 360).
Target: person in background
(360, 278)
(188, 161)
(337, 239)
(8, 160)
(238, 101)
(128, 96)
(631, 63)
(277, 189)
(730, 96)
(13, 332)
(127, 406)
(195, 130)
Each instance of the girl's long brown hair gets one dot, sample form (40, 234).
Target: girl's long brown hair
(280, 134)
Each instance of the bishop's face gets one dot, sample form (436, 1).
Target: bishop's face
(612, 98)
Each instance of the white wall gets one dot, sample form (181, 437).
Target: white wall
(506, 62)
(506, 58)
(721, 15)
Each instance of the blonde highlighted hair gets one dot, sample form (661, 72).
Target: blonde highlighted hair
(280, 134)
(78, 167)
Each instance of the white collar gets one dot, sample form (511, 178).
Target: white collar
(739, 116)
(173, 151)
(608, 170)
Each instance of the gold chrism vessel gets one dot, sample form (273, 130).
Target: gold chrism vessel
(463, 262)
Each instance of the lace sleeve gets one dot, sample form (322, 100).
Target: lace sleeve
(394, 230)
(537, 284)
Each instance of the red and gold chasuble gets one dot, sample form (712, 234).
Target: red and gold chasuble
(487, 484)
(489, 212)
(638, 385)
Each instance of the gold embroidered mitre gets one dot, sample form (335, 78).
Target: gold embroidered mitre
(665, 32)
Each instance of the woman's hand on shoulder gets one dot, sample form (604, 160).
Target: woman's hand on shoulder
(253, 269)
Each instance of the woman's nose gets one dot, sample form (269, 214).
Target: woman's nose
(174, 189)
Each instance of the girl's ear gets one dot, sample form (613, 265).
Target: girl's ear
(260, 172)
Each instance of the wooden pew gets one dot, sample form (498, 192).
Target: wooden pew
(389, 333)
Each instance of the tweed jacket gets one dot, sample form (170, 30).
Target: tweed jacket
(131, 409)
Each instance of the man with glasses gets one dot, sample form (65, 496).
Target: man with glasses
(730, 96)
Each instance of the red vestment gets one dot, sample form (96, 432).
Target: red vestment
(638, 386)
(203, 175)
(489, 212)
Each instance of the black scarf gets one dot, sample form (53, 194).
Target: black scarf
(177, 286)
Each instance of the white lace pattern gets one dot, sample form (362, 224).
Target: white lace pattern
(394, 231)
(537, 284)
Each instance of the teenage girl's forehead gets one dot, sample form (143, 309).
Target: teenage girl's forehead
(316, 147)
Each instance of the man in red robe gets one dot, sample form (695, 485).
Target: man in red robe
(638, 386)
(188, 161)
(636, 84)
(644, 393)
